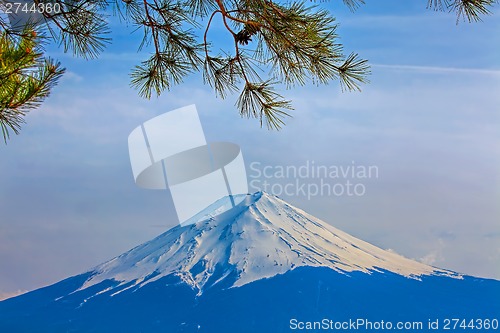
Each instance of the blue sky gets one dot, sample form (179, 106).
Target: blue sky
(429, 120)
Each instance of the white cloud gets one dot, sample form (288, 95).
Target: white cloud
(436, 255)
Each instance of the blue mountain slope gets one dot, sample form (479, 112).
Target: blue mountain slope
(267, 305)
(268, 268)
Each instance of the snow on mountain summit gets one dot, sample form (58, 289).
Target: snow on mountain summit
(260, 238)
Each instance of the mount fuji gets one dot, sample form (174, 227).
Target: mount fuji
(263, 266)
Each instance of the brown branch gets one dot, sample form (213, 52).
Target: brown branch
(226, 14)
(238, 59)
(206, 31)
(154, 31)
(166, 26)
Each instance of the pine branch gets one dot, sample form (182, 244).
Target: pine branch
(80, 27)
(470, 10)
(354, 4)
(26, 77)
(268, 43)
(353, 72)
(262, 102)
(159, 73)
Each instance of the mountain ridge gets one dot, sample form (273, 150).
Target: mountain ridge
(260, 238)
(251, 269)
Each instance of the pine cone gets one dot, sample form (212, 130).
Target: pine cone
(243, 37)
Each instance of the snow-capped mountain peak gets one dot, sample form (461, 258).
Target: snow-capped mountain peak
(260, 238)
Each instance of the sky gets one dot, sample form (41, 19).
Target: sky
(428, 122)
